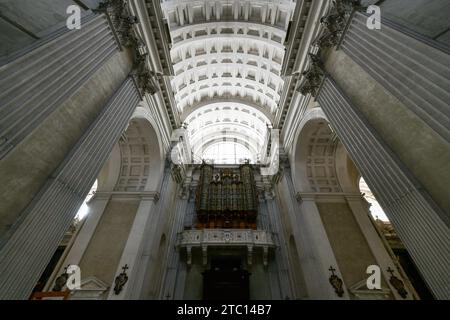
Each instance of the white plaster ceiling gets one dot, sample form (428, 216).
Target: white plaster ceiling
(227, 57)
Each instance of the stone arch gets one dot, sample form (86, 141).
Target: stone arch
(320, 161)
(136, 162)
(347, 173)
(227, 121)
(218, 101)
(109, 174)
(314, 155)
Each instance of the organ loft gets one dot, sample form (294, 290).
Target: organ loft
(226, 198)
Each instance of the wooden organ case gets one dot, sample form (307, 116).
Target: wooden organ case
(226, 198)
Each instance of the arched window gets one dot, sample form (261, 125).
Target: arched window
(375, 208)
(84, 210)
(227, 153)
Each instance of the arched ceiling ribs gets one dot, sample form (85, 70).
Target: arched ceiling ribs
(224, 38)
(228, 127)
(230, 130)
(230, 72)
(227, 58)
(226, 109)
(140, 156)
(236, 86)
(198, 151)
(247, 28)
(230, 137)
(225, 71)
(320, 162)
(231, 102)
(242, 49)
(228, 120)
(315, 158)
(228, 89)
(266, 12)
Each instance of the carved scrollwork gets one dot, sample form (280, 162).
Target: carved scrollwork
(334, 26)
(121, 19)
(145, 79)
(335, 22)
(122, 23)
(313, 76)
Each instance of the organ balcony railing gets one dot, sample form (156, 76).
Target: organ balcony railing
(254, 241)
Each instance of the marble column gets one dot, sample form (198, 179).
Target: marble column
(30, 244)
(36, 83)
(421, 224)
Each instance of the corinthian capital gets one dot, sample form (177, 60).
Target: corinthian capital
(335, 22)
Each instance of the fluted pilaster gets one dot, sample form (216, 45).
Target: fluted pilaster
(36, 83)
(35, 237)
(410, 69)
(420, 223)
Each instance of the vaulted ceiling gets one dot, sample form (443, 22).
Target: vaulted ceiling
(227, 57)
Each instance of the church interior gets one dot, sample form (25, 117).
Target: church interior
(225, 150)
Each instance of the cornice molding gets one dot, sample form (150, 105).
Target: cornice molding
(313, 77)
(327, 196)
(123, 25)
(334, 25)
(129, 195)
(335, 22)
